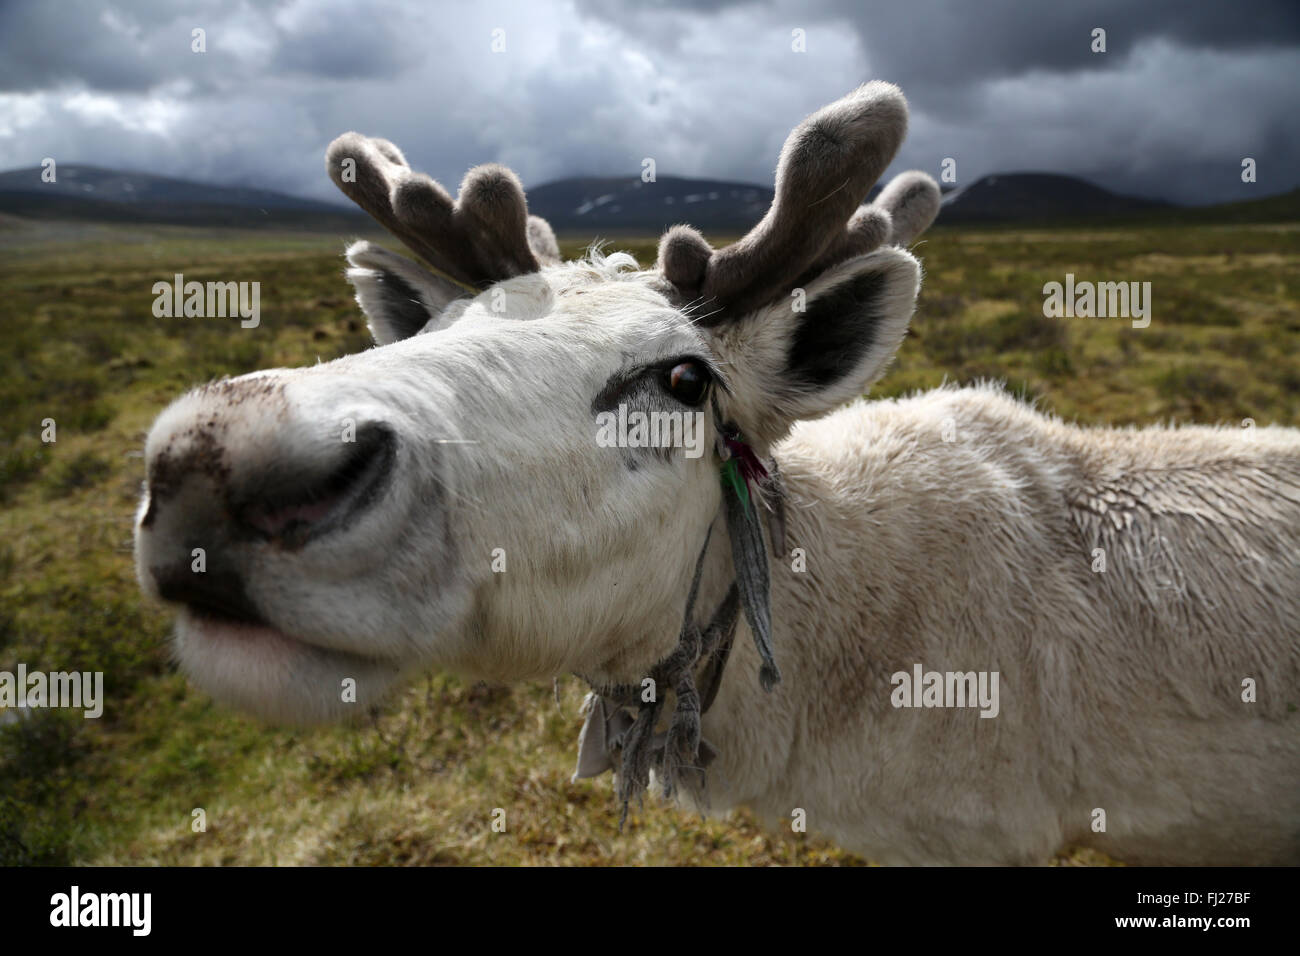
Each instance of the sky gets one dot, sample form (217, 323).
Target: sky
(1185, 90)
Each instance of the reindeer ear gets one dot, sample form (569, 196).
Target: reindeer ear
(398, 296)
(853, 320)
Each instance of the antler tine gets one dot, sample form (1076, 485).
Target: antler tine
(541, 239)
(912, 201)
(904, 209)
(868, 229)
(828, 164)
(480, 238)
(377, 168)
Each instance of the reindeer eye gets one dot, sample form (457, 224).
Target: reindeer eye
(688, 382)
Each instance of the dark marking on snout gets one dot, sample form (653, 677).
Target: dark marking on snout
(199, 449)
(218, 592)
(196, 450)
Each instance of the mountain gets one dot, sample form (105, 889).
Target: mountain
(1283, 207)
(587, 206)
(1027, 197)
(625, 206)
(83, 191)
(112, 185)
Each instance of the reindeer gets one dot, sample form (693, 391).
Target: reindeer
(746, 618)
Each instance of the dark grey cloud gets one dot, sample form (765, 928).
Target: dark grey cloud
(348, 41)
(1185, 90)
(44, 45)
(139, 45)
(935, 44)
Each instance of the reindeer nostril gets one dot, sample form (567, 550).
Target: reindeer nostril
(273, 521)
(303, 507)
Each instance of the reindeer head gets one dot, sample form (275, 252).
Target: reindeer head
(446, 498)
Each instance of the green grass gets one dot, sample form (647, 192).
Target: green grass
(419, 781)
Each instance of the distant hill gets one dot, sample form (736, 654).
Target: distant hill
(1025, 197)
(587, 206)
(625, 206)
(88, 192)
(112, 185)
(1284, 207)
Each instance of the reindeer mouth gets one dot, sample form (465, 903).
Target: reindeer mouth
(220, 630)
(281, 677)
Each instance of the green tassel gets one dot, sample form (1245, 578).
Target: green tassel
(732, 478)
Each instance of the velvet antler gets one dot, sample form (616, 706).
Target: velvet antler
(484, 236)
(828, 165)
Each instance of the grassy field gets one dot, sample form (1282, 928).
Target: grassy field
(419, 782)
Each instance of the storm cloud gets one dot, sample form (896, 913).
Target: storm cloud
(1183, 92)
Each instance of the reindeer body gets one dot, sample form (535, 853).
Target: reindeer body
(444, 500)
(1120, 689)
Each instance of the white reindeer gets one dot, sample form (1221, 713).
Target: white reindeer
(442, 500)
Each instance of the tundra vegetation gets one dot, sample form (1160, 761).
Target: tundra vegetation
(419, 782)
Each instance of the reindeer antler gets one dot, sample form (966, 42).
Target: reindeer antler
(484, 236)
(828, 164)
